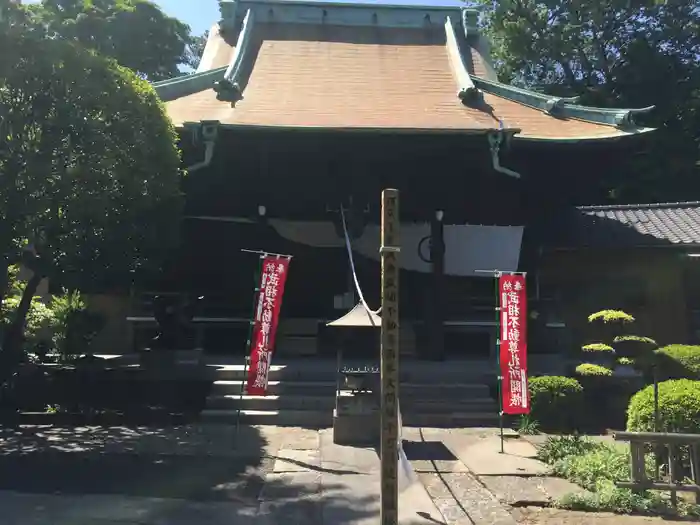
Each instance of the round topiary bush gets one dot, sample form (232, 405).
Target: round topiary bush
(556, 402)
(679, 408)
(678, 362)
(592, 370)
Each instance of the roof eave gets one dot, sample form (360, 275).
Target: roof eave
(341, 129)
(178, 87)
(612, 136)
(668, 246)
(621, 119)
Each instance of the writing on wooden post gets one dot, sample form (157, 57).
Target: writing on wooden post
(389, 356)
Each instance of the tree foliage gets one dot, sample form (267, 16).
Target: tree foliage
(614, 53)
(136, 33)
(90, 166)
(90, 169)
(196, 49)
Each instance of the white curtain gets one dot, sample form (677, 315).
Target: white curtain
(468, 248)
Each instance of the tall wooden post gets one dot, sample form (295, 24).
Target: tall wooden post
(437, 258)
(390, 357)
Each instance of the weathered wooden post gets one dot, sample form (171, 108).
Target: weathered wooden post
(390, 356)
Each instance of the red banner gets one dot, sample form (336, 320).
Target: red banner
(513, 338)
(267, 313)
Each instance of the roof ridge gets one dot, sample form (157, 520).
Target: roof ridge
(648, 206)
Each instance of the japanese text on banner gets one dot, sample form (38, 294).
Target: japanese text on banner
(513, 344)
(272, 280)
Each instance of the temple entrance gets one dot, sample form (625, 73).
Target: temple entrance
(469, 342)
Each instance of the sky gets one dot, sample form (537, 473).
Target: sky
(200, 15)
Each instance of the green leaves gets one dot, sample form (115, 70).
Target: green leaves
(611, 316)
(91, 170)
(136, 33)
(614, 53)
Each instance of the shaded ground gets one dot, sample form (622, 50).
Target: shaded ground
(204, 474)
(178, 462)
(207, 474)
(165, 476)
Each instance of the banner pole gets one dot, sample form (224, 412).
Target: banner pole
(249, 342)
(499, 375)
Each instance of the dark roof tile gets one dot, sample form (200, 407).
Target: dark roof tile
(628, 226)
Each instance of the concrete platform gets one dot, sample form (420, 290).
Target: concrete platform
(483, 458)
(356, 429)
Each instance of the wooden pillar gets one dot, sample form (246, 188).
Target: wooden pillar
(390, 357)
(437, 306)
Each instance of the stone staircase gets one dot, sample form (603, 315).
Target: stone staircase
(302, 393)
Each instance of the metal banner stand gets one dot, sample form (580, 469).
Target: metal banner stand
(249, 343)
(497, 274)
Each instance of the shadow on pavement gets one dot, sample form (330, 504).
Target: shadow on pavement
(176, 475)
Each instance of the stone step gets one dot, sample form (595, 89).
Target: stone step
(324, 418)
(432, 406)
(408, 390)
(304, 418)
(444, 391)
(308, 370)
(310, 388)
(266, 403)
(450, 420)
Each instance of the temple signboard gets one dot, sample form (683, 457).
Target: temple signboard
(513, 344)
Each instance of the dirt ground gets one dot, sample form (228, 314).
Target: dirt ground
(539, 516)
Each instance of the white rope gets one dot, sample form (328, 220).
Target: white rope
(352, 267)
(407, 476)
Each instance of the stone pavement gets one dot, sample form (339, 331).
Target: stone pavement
(194, 475)
(472, 483)
(209, 474)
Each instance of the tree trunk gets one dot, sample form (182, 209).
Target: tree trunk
(4, 277)
(12, 342)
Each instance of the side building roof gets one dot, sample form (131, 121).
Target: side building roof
(627, 226)
(326, 65)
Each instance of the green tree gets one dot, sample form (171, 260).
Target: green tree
(136, 33)
(614, 53)
(196, 50)
(90, 169)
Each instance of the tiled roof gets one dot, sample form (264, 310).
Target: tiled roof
(365, 75)
(631, 225)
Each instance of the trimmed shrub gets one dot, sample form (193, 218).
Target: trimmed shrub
(591, 370)
(556, 402)
(678, 362)
(679, 407)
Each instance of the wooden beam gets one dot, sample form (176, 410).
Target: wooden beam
(390, 357)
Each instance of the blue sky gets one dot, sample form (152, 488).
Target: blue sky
(201, 14)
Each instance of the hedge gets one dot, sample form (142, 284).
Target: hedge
(556, 402)
(678, 362)
(679, 408)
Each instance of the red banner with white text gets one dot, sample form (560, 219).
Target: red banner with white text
(513, 339)
(267, 312)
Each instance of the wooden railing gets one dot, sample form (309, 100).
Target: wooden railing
(682, 462)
